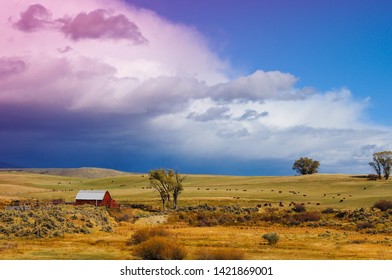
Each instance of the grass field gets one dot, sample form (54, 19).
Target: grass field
(328, 239)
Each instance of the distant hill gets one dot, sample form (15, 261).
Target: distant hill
(83, 172)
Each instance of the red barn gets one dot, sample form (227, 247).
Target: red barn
(95, 197)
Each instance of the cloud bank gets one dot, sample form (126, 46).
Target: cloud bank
(99, 82)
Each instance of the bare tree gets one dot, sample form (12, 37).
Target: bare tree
(168, 183)
(177, 188)
(382, 161)
(376, 165)
(160, 182)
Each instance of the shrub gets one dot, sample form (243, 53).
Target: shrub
(299, 208)
(124, 218)
(272, 238)
(383, 205)
(365, 225)
(220, 254)
(328, 210)
(160, 248)
(341, 214)
(306, 217)
(144, 234)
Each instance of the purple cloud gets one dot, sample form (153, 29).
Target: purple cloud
(35, 17)
(97, 24)
(11, 66)
(100, 24)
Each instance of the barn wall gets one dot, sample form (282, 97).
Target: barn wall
(92, 202)
(107, 201)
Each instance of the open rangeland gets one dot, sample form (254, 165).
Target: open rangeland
(219, 217)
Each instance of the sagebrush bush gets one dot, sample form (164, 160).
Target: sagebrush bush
(143, 234)
(52, 222)
(160, 248)
(383, 205)
(365, 225)
(299, 208)
(272, 238)
(220, 254)
(328, 210)
(307, 217)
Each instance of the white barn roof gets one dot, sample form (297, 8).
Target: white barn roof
(90, 195)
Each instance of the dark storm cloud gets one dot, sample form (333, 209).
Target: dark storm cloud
(37, 136)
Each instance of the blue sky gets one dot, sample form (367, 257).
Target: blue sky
(233, 87)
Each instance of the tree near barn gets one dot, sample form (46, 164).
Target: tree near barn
(177, 188)
(382, 163)
(159, 181)
(306, 166)
(168, 183)
(376, 166)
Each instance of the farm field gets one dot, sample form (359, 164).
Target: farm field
(228, 214)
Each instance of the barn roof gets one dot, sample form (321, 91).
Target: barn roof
(91, 194)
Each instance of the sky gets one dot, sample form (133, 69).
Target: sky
(242, 88)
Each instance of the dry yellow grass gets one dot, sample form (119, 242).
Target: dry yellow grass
(11, 191)
(294, 244)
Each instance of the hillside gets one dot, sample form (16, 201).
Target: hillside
(316, 191)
